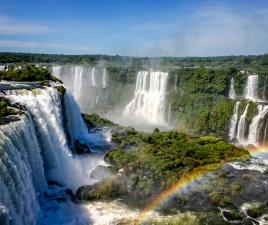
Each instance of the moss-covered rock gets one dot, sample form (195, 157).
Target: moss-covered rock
(255, 212)
(94, 120)
(5, 107)
(61, 89)
(233, 215)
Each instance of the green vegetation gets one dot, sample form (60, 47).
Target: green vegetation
(233, 215)
(61, 89)
(5, 108)
(251, 62)
(169, 155)
(255, 212)
(95, 120)
(200, 106)
(149, 163)
(27, 73)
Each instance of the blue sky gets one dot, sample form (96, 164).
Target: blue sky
(135, 27)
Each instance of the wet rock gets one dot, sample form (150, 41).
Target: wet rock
(101, 172)
(4, 218)
(232, 215)
(255, 212)
(53, 183)
(81, 148)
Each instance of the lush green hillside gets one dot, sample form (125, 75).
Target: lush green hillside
(150, 163)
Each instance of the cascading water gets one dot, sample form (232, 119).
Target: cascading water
(76, 127)
(86, 83)
(255, 126)
(35, 149)
(56, 71)
(234, 121)
(148, 103)
(232, 94)
(77, 85)
(176, 83)
(104, 78)
(93, 78)
(241, 128)
(21, 172)
(251, 90)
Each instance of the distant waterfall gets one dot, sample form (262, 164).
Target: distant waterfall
(176, 83)
(232, 94)
(93, 78)
(241, 129)
(148, 102)
(251, 90)
(77, 85)
(234, 121)
(56, 71)
(255, 126)
(104, 78)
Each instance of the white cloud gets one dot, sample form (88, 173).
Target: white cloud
(9, 26)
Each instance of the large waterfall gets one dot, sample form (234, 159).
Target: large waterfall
(253, 132)
(34, 149)
(148, 103)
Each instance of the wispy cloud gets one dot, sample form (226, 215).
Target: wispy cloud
(11, 26)
(42, 45)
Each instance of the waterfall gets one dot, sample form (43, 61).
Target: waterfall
(56, 71)
(21, 172)
(251, 90)
(232, 94)
(93, 78)
(77, 128)
(255, 126)
(241, 128)
(77, 85)
(169, 114)
(104, 78)
(234, 121)
(35, 149)
(175, 83)
(148, 102)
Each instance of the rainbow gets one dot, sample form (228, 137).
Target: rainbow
(185, 180)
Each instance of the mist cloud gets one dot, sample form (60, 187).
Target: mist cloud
(215, 31)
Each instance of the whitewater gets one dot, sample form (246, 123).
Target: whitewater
(34, 149)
